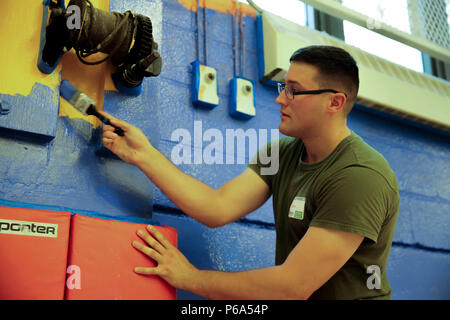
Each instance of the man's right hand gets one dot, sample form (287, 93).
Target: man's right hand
(132, 148)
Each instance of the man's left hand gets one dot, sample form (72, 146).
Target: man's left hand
(172, 265)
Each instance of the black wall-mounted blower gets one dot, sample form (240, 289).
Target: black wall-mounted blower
(126, 38)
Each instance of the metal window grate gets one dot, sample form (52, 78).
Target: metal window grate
(427, 19)
(430, 20)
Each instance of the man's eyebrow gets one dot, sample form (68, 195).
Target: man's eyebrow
(293, 82)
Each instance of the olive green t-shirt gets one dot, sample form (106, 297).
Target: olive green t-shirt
(353, 190)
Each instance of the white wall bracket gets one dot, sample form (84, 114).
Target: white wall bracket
(204, 86)
(242, 98)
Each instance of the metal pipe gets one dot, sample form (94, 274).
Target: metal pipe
(253, 4)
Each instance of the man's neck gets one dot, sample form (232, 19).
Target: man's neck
(321, 146)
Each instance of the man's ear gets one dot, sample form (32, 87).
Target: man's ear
(337, 102)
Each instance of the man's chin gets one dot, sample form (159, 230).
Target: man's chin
(285, 131)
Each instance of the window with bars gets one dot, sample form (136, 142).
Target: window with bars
(426, 19)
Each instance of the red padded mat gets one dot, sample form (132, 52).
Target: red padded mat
(103, 254)
(33, 253)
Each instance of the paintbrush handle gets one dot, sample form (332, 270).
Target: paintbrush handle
(117, 130)
(92, 110)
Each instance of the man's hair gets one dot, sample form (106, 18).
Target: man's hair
(336, 68)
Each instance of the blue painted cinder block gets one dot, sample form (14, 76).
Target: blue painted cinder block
(404, 228)
(220, 57)
(248, 27)
(430, 222)
(418, 274)
(265, 98)
(250, 70)
(67, 172)
(30, 117)
(177, 63)
(175, 110)
(214, 175)
(177, 15)
(219, 118)
(141, 111)
(219, 26)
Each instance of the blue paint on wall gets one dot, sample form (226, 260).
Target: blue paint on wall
(71, 171)
(418, 274)
(33, 117)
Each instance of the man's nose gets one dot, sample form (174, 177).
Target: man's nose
(282, 99)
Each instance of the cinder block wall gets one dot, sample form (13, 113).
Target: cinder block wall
(73, 171)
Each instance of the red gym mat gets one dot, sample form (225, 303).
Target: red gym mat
(103, 260)
(33, 253)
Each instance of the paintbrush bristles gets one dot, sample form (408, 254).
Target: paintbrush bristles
(81, 101)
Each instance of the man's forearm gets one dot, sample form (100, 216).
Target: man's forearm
(267, 283)
(193, 197)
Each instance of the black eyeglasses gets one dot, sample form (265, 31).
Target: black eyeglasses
(290, 93)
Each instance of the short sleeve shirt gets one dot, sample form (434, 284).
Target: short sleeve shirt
(353, 190)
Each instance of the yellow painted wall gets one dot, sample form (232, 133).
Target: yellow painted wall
(20, 35)
(20, 38)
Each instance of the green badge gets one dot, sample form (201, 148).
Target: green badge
(297, 208)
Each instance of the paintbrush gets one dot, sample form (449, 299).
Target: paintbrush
(84, 104)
